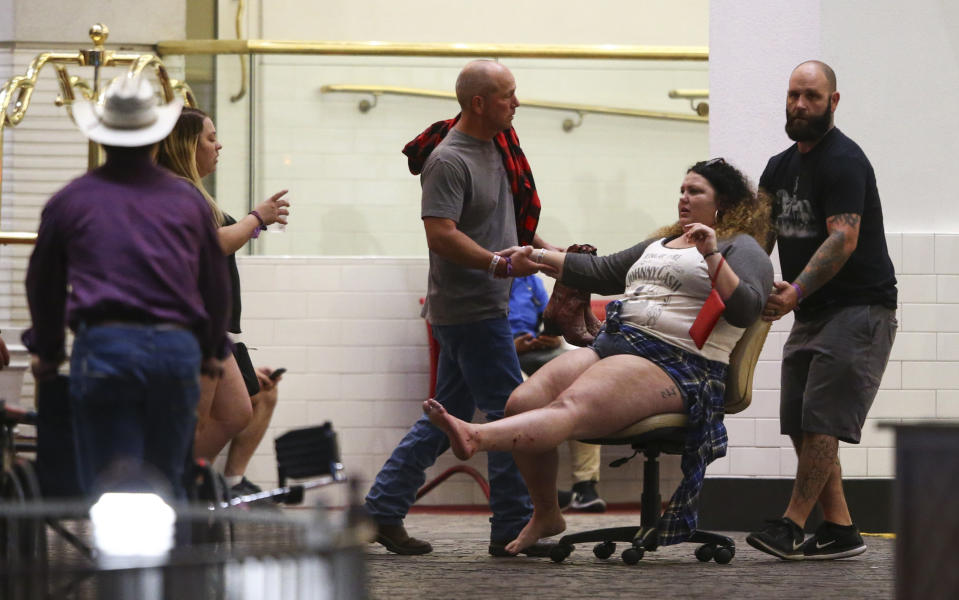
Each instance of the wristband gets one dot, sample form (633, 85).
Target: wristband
(542, 253)
(495, 262)
(491, 271)
(708, 254)
(262, 227)
(798, 292)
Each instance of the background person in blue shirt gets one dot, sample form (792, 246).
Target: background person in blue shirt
(527, 301)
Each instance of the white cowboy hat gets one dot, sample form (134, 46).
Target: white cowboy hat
(129, 116)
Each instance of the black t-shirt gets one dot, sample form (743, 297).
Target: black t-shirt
(234, 326)
(835, 177)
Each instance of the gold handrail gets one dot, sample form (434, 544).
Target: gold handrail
(580, 109)
(18, 237)
(239, 32)
(21, 88)
(701, 108)
(375, 48)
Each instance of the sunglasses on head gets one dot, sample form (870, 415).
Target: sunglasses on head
(714, 161)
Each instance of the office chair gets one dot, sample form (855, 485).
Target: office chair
(666, 433)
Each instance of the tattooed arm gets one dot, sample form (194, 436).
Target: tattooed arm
(832, 254)
(828, 259)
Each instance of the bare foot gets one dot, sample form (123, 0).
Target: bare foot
(462, 439)
(538, 527)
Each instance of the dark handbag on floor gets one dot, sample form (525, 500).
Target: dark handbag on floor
(709, 314)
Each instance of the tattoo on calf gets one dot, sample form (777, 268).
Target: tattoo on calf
(819, 458)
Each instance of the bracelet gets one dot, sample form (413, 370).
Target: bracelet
(262, 227)
(542, 253)
(708, 254)
(495, 263)
(719, 267)
(798, 292)
(491, 270)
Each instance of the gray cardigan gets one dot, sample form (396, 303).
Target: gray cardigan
(606, 275)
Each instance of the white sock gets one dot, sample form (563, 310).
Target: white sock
(232, 480)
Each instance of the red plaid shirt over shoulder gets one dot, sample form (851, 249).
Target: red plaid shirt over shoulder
(525, 199)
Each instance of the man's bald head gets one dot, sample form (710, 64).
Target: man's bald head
(478, 78)
(823, 68)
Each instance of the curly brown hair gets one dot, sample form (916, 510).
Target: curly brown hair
(740, 210)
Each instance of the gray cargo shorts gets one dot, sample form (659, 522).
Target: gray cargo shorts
(831, 369)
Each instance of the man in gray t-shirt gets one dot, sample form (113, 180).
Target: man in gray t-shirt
(468, 215)
(465, 184)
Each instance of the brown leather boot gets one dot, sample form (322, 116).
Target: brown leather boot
(568, 312)
(395, 539)
(592, 323)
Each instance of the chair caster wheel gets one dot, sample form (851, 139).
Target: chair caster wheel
(604, 549)
(705, 552)
(631, 556)
(559, 553)
(723, 555)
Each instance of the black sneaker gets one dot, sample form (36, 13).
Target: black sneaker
(782, 538)
(586, 499)
(245, 488)
(834, 541)
(565, 498)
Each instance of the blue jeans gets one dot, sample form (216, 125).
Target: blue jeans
(477, 368)
(133, 391)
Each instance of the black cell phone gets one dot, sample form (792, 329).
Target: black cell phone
(276, 374)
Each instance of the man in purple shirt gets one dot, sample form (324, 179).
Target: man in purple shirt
(127, 256)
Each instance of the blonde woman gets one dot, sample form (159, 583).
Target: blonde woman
(225, 409)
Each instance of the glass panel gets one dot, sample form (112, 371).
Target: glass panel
(610, 181)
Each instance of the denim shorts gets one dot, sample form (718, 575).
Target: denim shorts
(832, 366)
(693, 375)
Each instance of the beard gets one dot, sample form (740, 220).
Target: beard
(811, 128)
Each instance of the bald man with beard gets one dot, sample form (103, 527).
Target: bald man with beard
(841, 286)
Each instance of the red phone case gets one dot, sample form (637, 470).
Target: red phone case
(709, 314)
(707, 318)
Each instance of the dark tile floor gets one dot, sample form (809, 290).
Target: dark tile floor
(460, 567)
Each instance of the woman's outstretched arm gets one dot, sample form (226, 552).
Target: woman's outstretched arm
(272, 210)
(604, 275)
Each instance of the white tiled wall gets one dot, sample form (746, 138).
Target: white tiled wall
(920, 382)
(349, 331)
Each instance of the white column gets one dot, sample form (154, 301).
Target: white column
(753, 46)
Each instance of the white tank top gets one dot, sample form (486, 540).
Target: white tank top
(665, 289)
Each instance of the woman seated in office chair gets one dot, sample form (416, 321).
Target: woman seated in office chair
(644, 361)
